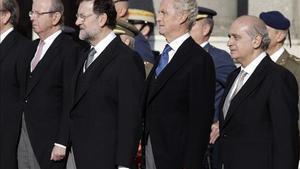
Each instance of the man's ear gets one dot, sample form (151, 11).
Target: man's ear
(102, 19)
(6, 17)
(182, 18)
(257, 41)
(56, 17)
(206, 29)
(280, 36)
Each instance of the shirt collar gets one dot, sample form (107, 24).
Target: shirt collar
(204, 44)
(104, 43)
(275, 56)
(52, 37)
(249, 69)
(4, 34)
(175, 44)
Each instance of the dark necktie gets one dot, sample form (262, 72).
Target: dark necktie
(90, 58)
(164, 59)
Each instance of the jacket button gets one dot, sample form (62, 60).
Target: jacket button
(26, 101)
(225, 136)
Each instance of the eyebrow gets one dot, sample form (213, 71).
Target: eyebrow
(234, 35)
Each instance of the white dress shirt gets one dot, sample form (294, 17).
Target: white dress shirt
(102, 45)
(48, 42)
(4, 34)
(249, 69)
(275, 56)
(204, 44)
(175, 44)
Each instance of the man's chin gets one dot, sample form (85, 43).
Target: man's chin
(161, 32)
(82, 37)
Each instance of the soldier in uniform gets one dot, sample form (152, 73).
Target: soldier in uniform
(126, 32)
(143, 18)
(224, 65)
(278, 29)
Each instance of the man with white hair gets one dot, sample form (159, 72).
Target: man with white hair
(179, 99)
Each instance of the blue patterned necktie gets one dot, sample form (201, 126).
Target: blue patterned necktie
(164, 59)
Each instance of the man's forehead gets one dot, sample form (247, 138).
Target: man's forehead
(86, 5)
(41, 4)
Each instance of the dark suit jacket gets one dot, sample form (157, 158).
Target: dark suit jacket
(178, 106)
(224, 65)
(260, 129)
(105, 109)
(292, 63)
(13, 47)
(44, 96)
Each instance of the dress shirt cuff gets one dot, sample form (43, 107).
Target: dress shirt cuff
(60, 145)
(121, 167)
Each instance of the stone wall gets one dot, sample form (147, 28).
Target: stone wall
(227, 12)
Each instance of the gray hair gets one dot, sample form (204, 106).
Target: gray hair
(12, 7)
(58, 6)
(190, 8)
(259, 28)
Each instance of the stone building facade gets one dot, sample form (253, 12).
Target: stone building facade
(229, 10)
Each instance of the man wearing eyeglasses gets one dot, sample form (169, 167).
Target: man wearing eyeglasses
(13, 46)
(45, 76)
(105, 90)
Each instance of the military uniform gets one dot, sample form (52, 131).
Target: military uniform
(292, 63)
(139, 13)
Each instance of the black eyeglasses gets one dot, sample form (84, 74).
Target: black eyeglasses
(83, 17)
(31, 13)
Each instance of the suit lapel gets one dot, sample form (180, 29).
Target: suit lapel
(7, 44)
(254, 81)
(76, 75)
(231, 80)
(44, 64)
(177, 61)
(94, 70)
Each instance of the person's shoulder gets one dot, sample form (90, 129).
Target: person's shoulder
(220, 51)
(22, 42)
(19, 38)
(294, 59)
(67, 40)
(123, 51)
(279, 70)
(219, 54)
(122, 47)
(191, 47)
